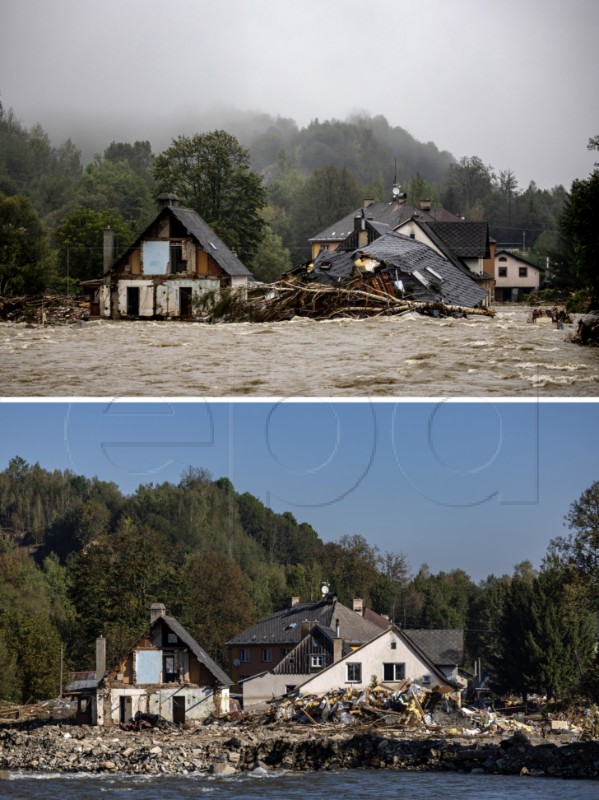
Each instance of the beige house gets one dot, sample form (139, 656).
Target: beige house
(166, 673)
(171, 264)
(515, 276)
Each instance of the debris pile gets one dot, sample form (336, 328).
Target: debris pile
(141, 722)
(47, 309)
(364, 295)
(588, 329)
(555, 314)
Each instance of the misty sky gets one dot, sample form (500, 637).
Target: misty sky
(480, 486)
(514, 82)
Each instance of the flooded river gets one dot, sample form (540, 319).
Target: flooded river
(389, 357)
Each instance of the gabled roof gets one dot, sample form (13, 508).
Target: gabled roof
(195, 648)
(204, 236)
(392, 214)
(355, 654)
(443, 647)
(465, 239)
(211, 243)
(285, 626)
(319, 641)
(518, 257)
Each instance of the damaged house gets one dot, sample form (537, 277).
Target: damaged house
(171, 264)
(393, 659)
(413, 269)
(267, 658)
(166, 672)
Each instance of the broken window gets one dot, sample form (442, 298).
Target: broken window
(394, 672)
(178, 263)
(169, 670)
(155, 257)
(354, 672)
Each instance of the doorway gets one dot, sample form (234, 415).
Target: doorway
(133, 301)
(185, 305)
(179, 710)
(125, 709)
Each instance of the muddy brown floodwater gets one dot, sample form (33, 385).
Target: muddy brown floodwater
(389, 357)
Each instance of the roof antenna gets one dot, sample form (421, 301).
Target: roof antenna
(396, 191)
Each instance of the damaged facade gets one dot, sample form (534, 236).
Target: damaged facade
(288, 650)
(165, 673)
(176, 260)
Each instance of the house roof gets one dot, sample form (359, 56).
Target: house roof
(318, 641)
(211, 243)
(285, 626)
(518, 257)
(392, 214)
(84, 681)
(443, 647)
(465, 239)
(203, 234)
(433, 669)
(424, 273)
(195, 648)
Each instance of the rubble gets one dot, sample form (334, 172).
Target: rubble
(556, 314)
(588, 329)
(47, 309)
(369, 294)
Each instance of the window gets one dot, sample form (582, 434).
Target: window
(522, 272)
(354, 672)
(502, 272)
(244, 655)
(285, 651)
(171, 638)
(316, 662)
(394, 645)
(394, 672)
(267, 654)
(502, 258)
(170, 673)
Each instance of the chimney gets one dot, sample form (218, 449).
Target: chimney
(367, 202)
(157, 610)
(358, 605)
(108, 249)
(167, 199)
(293, 601)
(337, 649)
(337, 627)
(424, 205)
(304, 629)
(100, 658)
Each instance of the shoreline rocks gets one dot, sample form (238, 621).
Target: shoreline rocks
(68, 748)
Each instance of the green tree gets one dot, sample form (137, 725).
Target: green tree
(580, 237)
(79, 239)
(271, 259)
(25, 264)
(210, 172)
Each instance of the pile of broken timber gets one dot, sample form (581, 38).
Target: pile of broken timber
(370, 295)
(44, 309)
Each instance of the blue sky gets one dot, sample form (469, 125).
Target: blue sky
(476, 485)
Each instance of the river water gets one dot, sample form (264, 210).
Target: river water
(410, 356)
(351, 785)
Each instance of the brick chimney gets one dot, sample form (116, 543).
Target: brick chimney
(157, 610)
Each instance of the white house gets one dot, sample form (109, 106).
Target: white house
(515, 276)
(389, 659)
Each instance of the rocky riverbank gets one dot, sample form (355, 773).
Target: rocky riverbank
(226, 750)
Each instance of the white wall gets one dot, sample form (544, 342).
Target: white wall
(371, 656)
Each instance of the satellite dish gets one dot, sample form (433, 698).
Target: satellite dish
(396, 190)
(324, 588)
(237, 662)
